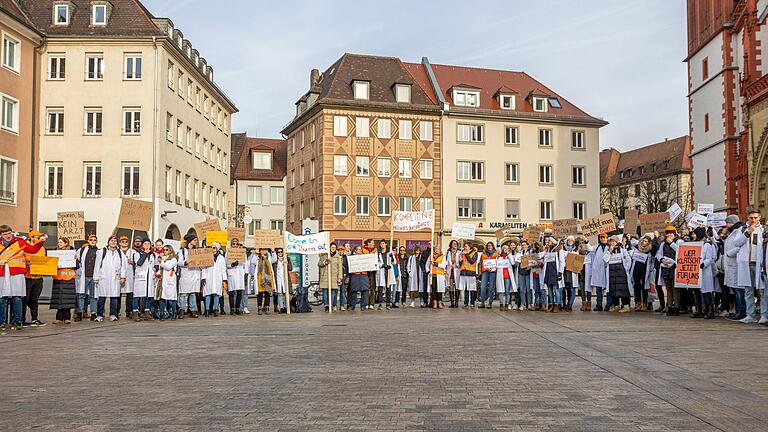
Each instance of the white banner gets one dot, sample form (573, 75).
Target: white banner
(66, 257)
(697, 221)
(312, 244)
(674, 212)
(705, 209)
(716, 220)
(363, 263)
(413, 221)
(463, 231)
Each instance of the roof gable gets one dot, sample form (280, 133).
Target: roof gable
(243, 146)
(127, 18)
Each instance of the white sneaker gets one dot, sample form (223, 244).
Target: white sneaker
(246, 311)
(333, 309)
(99, 319)
(343, 308)
(413, 304)
(112, 318)
(763, 321)
(748, 320)
(725, 313)
(521, 307)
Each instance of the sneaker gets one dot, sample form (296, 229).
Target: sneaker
(763, 321)
(343, 308)
(99, 319)
(246, 311)
(17, 326)
(614, 309)
(413, 304)
(625, 309)
(112, 318)
(2, 327)
(748, 320)
(725, 314)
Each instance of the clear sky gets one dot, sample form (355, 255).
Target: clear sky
(616, 59)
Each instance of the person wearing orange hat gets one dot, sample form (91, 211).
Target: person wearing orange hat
(34, 285)
(13, 266)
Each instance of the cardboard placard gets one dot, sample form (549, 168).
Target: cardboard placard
(200, 257)
(71, 225)
(269, 239)
(236, 233)
(236, 254)
(532, 234)
(602, 224)
(363, 263)
(631, 221)
(528, 260)
(208, 225)
(504, 232)
(688, 270)
(135, 215)
(413, 220)
(654, 222)
(43, 265)
(574, 262)
(463, 231)
(562, 228)
(219, 237)
(66, 257)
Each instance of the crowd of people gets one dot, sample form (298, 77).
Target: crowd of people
(158, 283)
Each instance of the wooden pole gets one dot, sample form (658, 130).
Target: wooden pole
(328, 271)
(287, 285)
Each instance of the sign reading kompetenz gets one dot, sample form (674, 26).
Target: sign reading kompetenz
(413, 221)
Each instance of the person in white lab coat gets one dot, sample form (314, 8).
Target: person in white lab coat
(169, 294)
(265, 278)
(214, 281)
(110, 272)
(282, 285)
(730, 269)
(598, 272)
(749, 262)
(452, 272)
(237, 272)
(414, 276)
(189, 279)
(143, 280)
(127, 288)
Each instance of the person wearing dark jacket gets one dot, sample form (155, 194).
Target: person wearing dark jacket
(63, 295)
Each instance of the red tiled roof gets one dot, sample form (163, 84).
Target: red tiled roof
(242, 146)
(127, 18)
(676, 151)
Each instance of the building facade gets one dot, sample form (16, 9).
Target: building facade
(258, 183)
(648, 179)
(128, 109)
(19, 63)
(364, 143)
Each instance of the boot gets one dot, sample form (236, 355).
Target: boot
(193, 315)
(136, 317)
(440, 305)
(551, 308)
(259, 311)
(181, 314)
(598, 308)
(79, 317)
(556, 308)
(277, 310)
(434, 304)
(588, 307)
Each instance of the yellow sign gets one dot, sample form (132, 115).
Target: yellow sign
(219, 237)
(43, 265)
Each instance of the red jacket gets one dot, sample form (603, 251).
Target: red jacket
(14, 254)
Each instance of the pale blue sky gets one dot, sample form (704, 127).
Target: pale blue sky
(616, 59)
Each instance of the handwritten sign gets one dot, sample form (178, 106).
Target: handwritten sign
(532, 234)
(43, 265)
(363, 263)
(135, 215)
(208, 225)
(504, 232)
(697, 221)
(311, 244)
(236, 233)
(528, 260)
(574, 262)
(602, 224)
(413, 220)
(716, 220)
(705, 209)
(688, 270)
(200, 257)
(463, 231)
(268, 239)
(564, 227)
(489, 264)
(674, 212)
(654, 221)
(631, 221)
(219, 237)
(71, 225)
(236, 254)
(66, 257)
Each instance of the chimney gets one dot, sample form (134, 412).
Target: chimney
(314, 78)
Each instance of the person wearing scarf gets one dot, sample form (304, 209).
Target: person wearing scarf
(370, 299)
(265, 280)
(414, 278)
(452, 272)
(189, 278)
(437, 270)
(666, 255)
(506, 281)
(332, 262)
(585, 276)
(619, 281)
(642, 271)
(598, 272)
(552, 273)
(382, 274)
(127, 288)
(402, 292)
(143, 278)
(468, 275)
(358, 284)
(570, 279)
(524, 277)
(63, 295)
(488, 278)
(109, 276)
(169, 291)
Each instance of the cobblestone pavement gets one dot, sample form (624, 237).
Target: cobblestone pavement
(409, 369)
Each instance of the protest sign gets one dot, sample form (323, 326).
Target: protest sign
(631, 221)
(236, 233)
(654, 222)
(716, 220)
(688, 270)
(42, 265)
(175, 244)
(674, 212)
(697, 221)
(574, 262)
(705, 209)
(489, 264)
(200, 257)
(66, 257)
(532, 234)
(207, 225)
(463, 231)
(528, 260)
(602, 224)
(219, 237)
(503, 232)
(363, 263)
(135, 215)
(71, 225)
(564, 227)
(413, 220)
(236, 254)
(311, 244)
(269, 239)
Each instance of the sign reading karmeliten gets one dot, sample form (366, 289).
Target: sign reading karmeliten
(602, 224)
(135, 215)
(688, 270)
(71, 225)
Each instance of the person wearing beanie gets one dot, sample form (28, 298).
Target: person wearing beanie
(237, 272)
(168, 284)
(748, 263)
(143, 280)
(34, 286)
(619, 279)
(189, 279)
(642, 271)
(570, 279)
(599, 271)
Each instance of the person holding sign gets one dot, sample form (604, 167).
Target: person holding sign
(404, 279)
(749, 262)
(598, 272)
(452, 271)
(214, 281)
(63, 295)
(553, 259)
(570, 279)
(168, 282)
(265, 279)
(468, 275)
(437, 270)
(585, 277)
(524, 278)
(359, 285)
(282, 286)
(109, 276)
(332, 262)
(127, 288)
(705, 296)
(34, 286)
(619, 281)
(13, 266)
(189, 278)
(730, 268)
(642, 271)
(488, 278)
(506, 279)
(237, 273)
(414, 276)
(384, 274)
(666, 256)
(143, 281)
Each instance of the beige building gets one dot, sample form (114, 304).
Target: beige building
(128, 109)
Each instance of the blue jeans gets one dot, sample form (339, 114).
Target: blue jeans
(572, 296)
(554, 294)
(343, 292)
(215, 298)
(137, 303)
(87, 297)
(243, 301)
(507, 291)
(741, 305)
(334, 296)
(523, 290)
(487, 286)
(608, 298)
(470, 295)
(192, 302)
(112, 306)
(164, 307)
(16, 316)
(538, 296)
(353, 301)
(749, 299)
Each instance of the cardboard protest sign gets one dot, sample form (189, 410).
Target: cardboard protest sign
(674, 212)
(602, 224)
(716, 220)
(208, 225)
(688, 270)
(654, 222)
(135, 215)
(463, 231)
(697, 221)
(236, 233)
(631, 221)
(236, 254)
(574, 262)
(175, 244)
(528, 260)
(66, 257)
(532, 234)
(503, 232)
(219, 237)
(43, 265)
(705, 209)
(311, 244)
(564, 227)
(363, 263)
(268, 239)
(200, 257)
(71, 225)
(413, 220)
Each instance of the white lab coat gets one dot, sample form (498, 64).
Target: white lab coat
(109, 270)
(453, 266)
(598, 269)
(574, 276)
(708, 258)
(382, 273)
(128, 285)
(215, 276)
(414, 274)
(169, 281)
(730, 250)
(189, 277)
(280, 274)
(509, 260)
(236, 276)
(743, 277)
(80, 272)
(144, 277)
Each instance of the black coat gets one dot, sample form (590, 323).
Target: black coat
(63, 294)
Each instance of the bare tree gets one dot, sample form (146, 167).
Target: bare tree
(658, 195)
(615, 199)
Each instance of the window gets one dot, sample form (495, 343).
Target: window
(189, 92)
(293, 178)
(180, 86)
(512, 209)
(384, 205)
(218, 159)
(254, 226)
(362, 128)
(197, 98)
(301, 174)
(55, 124)
(666, 164)
(54, 179)
(510, 172)
(276, 224)
(468, 98)
(93, 121)
(91, 180)
(188, 138)
(132, 121)
(205, 105)
(662, 185)
(312, 132)
(545, 210)
(642, 170)
(169, 186)
(545, 137)
(261, 160)
(362, 165)
(340, 205)
(403, 93)
(471, 208)
(179, 187)
(470, 133)
(339, 126)
(510, 136)
(406, 129)
(426, 203)
(99, 15)
(8, 181)
(197, 195)
(385, 128)
(623, 192)
(425, 130)
(340, 165)
(578, 176)
(706, 122)
(312, 169)
(554, 102)
(579, 210)
(212, 153)
(406, 203)
(130, 179)
(11, 53)
(170, 74)
(254, 194)
(197, 144)
(94, 66)
(545, 174)
(9, 114)
(180, 137)
(61, 14)
(404, 168)
(277, 195)
(708, 180)
(425, 169)
(361, 205)
(361, 89)
(540, 104)
(637, 190)
(470, 171)
(384, 167)
(577, 139)
(133, 67)
(507, 102)
(57, 67)
(302, 140)
(704, 68)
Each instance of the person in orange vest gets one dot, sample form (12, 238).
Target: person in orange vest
(468, 275)
(63, 295)
(13, 266)
(34, 287)
(488, 279)
(438, 278)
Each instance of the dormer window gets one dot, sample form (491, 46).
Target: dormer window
(403, 93)
(261, 160)
(507, 101)
(361, 90)
(539, 104)
(99, 15)
(61, 14)
(467, 98)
